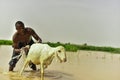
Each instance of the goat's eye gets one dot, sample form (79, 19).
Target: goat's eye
(59, 51)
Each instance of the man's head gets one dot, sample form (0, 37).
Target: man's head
(19, 26)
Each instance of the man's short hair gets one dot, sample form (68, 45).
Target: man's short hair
(19, 22)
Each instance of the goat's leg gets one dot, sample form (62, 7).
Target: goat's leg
(42, 71)
(25, 64)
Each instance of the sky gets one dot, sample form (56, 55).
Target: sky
(95, 22)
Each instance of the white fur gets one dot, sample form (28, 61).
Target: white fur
(43, 54)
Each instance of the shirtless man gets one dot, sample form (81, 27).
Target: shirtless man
(21, 38)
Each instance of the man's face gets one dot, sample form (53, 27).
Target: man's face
(20, 28)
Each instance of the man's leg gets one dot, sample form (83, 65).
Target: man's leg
(14, 60)
(32, 66)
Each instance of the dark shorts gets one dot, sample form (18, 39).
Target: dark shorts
(16, 56)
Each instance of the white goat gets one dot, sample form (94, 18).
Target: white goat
(43, 54)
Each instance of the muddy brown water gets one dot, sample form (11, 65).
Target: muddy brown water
(81, 65)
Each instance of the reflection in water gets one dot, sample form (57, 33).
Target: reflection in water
(81, 65)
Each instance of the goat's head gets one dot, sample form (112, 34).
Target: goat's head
(61, 54)
(24, 50)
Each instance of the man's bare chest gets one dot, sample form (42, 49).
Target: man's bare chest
(24, 38)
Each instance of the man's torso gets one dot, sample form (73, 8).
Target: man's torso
(23, 38)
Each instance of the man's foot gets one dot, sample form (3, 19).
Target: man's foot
(11, 68)
(32, 66)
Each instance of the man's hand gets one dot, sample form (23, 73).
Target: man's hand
(38, 41)
(26, 49)
(17, 50)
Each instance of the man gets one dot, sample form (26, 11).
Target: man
(21, 38)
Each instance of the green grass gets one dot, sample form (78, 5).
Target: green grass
(73, 47)
(68, 46)
(97, 48)
(5, 42)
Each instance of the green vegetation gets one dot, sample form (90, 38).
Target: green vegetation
(5, 42)
(68, 46)
(73, 47)
(96, 48)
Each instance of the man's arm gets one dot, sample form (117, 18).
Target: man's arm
(33, 33)
(15, 43)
